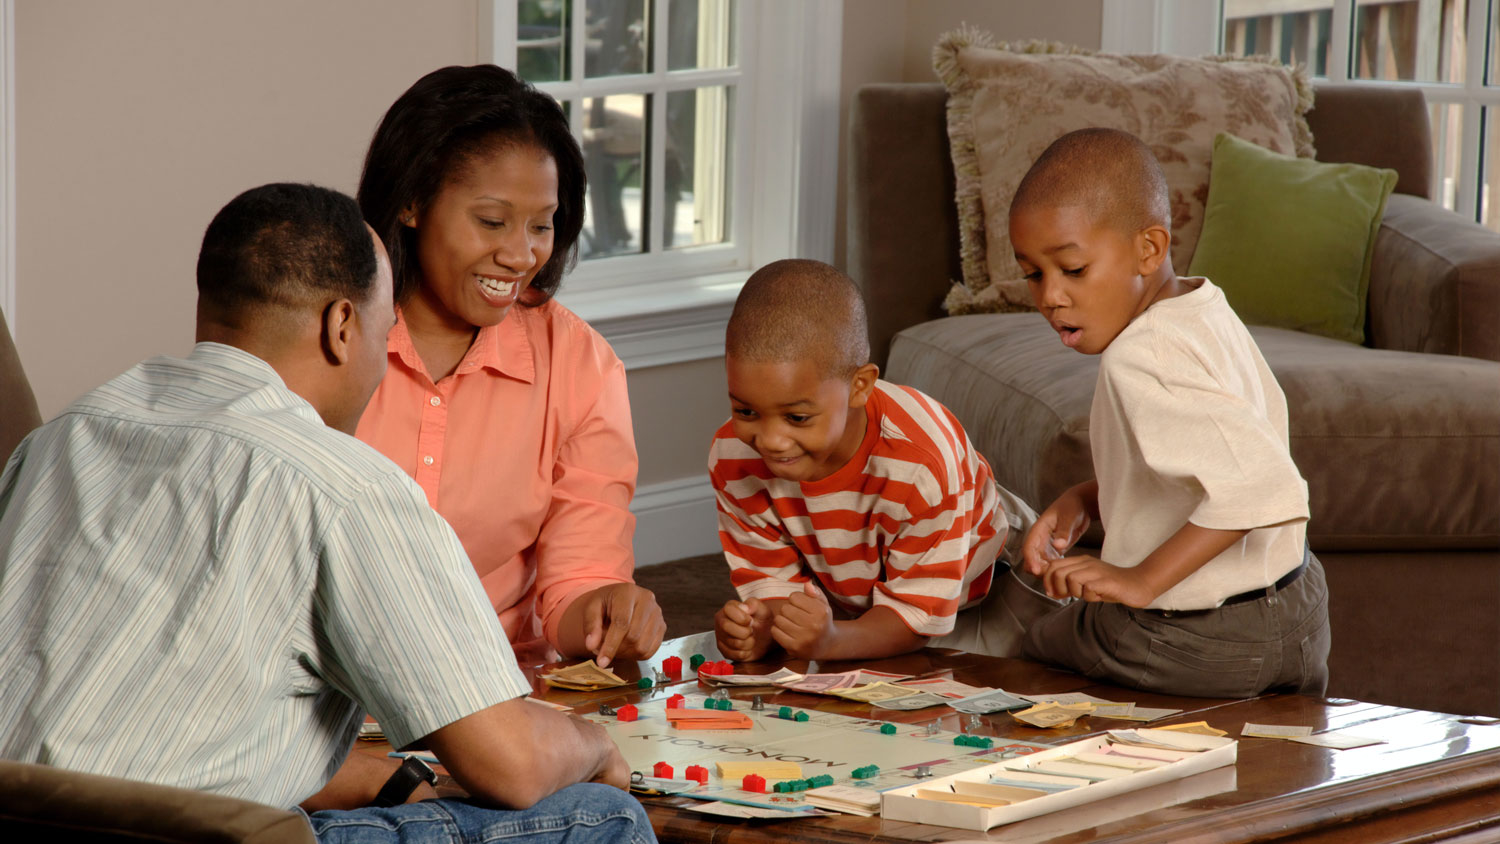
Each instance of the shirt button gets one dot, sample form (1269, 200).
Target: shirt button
(435, 401)
(427, 460)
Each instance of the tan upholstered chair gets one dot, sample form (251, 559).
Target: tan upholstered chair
(18, 414)
(41, 803)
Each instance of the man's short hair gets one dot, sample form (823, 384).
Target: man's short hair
(1107, 170)
(285, 246)
(796, 310)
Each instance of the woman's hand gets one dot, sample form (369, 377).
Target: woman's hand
(621, 620)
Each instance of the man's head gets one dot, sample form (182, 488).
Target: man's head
(1091, 226)
(797, 357)
(292, 274)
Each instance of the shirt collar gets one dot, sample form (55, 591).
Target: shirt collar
(503, 349)
(236, 360)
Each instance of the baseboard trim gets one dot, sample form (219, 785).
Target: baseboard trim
(674, 519)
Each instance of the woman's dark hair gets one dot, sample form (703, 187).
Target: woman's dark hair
(438, 126)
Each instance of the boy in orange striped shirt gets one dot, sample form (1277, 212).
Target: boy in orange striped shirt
(857, 519)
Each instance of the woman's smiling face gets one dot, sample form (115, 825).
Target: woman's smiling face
(486, 234)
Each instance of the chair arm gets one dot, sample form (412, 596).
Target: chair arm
(52, 804)
(1434, 282)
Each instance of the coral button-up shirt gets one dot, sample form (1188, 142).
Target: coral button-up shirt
(527, 451)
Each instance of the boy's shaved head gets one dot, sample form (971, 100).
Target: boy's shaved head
(1107, 170)
(796, 310)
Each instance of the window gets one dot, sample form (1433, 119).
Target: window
(709, 136)
(1445, 47)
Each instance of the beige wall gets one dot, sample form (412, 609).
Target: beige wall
(891, 41)
(137, 121)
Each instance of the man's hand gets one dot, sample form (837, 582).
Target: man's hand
(804, 622)
(621, 620)
(616, 771)
(1091, 579)
(743, 629)
(1059, 527)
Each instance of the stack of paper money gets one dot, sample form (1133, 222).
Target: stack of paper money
(844, 798)
(1053, 714)
(585, 676)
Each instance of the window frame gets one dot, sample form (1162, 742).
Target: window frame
(671, 306)
(1473, 96)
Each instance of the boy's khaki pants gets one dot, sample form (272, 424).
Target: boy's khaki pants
(997, 625)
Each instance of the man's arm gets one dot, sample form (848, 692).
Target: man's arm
(515, 753)
(357, 782)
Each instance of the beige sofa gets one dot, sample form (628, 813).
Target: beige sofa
(1399, 440)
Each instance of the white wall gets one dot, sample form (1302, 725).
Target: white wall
(136, 121)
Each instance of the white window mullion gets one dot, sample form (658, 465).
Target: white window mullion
(1341, 42)
(1476, 37)
(653, 184)
(577, 37)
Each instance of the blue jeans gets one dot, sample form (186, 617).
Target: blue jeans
(588, 813)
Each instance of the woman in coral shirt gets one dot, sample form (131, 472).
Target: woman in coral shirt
(506, 408)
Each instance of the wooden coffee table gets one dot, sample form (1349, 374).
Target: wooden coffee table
(1437, 777)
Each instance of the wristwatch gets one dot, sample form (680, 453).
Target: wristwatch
(412, 773)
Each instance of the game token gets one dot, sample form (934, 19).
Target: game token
(697, 660)
(755, 783)
(676, 702)
(696, 772)
(820, 780)
(662, 771)
(888, 729)
(786, 712)
(720, 694)
(606, 709)
(866, 772)
(659, 677)
(626, 713)
(672, 665)
(757, 704)
(710, 703)
(644, 683)
(922, 771)
(800, 716)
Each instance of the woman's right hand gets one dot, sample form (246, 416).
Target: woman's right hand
(1060, 526)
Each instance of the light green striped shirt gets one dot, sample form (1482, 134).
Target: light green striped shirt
(203, 585)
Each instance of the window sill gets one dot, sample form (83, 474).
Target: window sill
(662, 323)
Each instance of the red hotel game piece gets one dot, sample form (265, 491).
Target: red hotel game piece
(672, 666)
(662, 771)
(698, 773)
(676, 702)
(626, 713)
(755, 783)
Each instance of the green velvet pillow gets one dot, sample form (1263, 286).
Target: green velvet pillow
(1289, 240)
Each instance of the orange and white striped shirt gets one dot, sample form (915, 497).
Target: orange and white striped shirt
(913, 521)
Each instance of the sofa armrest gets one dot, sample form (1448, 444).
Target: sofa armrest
(1434, 282)
(902, 246)
(42, 803)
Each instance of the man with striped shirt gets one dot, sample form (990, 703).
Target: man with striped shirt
(841, 494)
(206, 581)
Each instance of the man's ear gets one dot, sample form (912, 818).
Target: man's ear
(338, 330)
(1152, 244)
(863, 384)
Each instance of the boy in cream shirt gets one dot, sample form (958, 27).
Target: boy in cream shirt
(1204, 585)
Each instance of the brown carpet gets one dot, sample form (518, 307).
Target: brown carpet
(689, 591)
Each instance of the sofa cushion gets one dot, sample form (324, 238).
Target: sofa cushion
(1400, 450)
(1006, 106)
(1289, 240)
